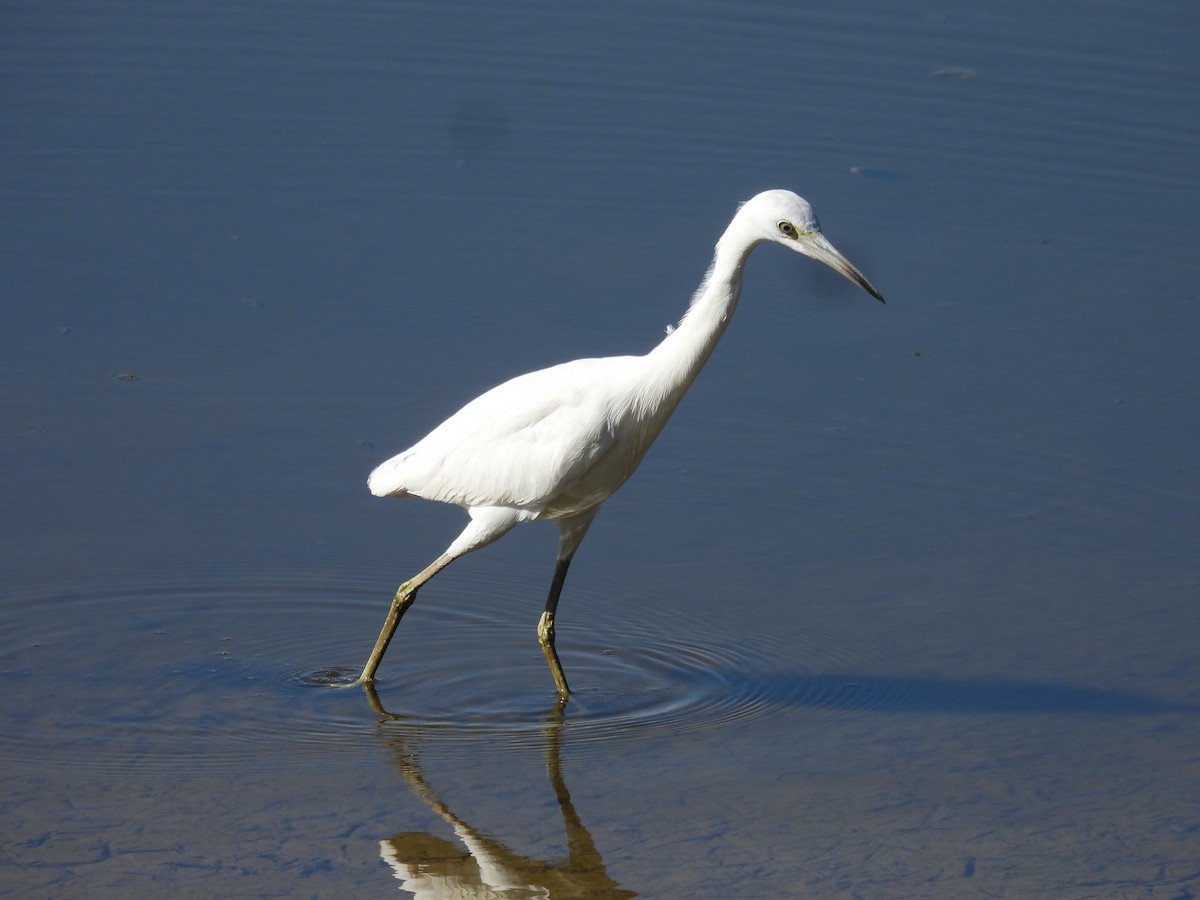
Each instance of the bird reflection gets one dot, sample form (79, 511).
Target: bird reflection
(433, 867)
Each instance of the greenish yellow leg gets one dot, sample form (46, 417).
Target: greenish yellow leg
(405, 595)
(545, 631)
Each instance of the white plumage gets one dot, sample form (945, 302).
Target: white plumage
(556, 443)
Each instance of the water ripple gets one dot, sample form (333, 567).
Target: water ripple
(226, 673)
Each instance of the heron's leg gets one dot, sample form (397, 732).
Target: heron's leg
(488, 523)
(405, 595)
(545, 630)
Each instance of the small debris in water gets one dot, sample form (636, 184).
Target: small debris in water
(953, 72)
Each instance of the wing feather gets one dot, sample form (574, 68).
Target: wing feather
(520, 444)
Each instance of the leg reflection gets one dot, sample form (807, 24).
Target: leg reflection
(478, 865)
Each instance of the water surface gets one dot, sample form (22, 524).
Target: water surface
(903, 602)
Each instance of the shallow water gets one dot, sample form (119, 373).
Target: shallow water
(903, 602)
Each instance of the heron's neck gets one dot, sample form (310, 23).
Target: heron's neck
(677, 361)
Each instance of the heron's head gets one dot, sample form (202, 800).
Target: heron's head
(785, 218)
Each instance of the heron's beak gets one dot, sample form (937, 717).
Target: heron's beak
(816, 246)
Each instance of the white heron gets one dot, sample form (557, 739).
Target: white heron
(556, 443)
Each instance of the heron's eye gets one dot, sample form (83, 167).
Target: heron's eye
(787, 228)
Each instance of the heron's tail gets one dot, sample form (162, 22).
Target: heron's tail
(385, 481)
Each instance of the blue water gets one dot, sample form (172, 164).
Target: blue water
(902, 603)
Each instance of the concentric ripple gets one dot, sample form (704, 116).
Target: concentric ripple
(257, 668)
(628, 681)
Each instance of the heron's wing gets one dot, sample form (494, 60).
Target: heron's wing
(520, 444)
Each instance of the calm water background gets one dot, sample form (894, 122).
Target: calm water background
(904, 601)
